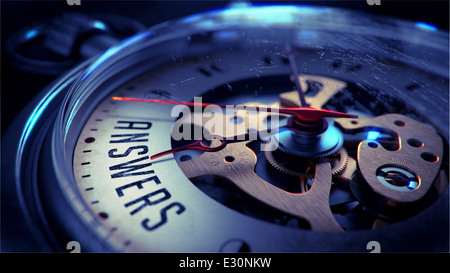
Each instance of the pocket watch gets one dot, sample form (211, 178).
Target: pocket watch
(265, 128)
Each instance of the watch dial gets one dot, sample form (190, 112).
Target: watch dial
(317, 125)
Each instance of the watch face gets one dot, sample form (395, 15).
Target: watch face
(250, 128)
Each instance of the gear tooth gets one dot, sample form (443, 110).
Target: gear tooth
(338, 149)
(272, 161)
(287, 151)
(343, 159)
(343, 162)
(315, 154)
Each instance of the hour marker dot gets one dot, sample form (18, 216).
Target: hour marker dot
(103, 215)
(89, 140)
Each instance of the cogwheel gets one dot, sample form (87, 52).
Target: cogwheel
(338, 161)
(307, 146)
(285, 162)
(302, 167)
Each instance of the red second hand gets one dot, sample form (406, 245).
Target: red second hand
(198, 145)
(301, 113)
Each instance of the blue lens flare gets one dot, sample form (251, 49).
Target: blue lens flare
(412, 184)
(426, 26)
(265, 14)
(99, 25)
(31, 34)
(373, 135)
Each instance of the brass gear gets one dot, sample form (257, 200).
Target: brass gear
(327, 143)
(281, 160)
